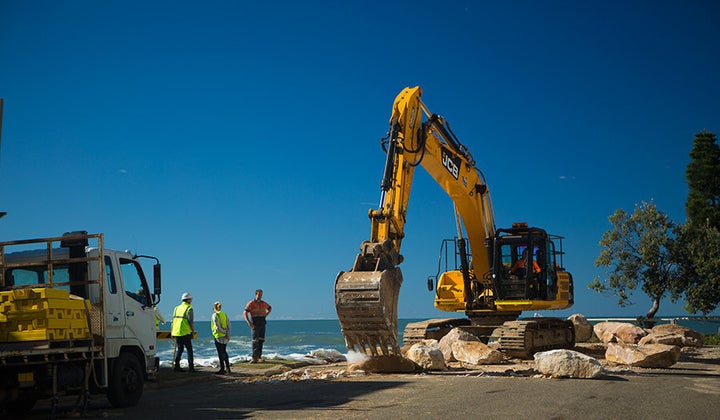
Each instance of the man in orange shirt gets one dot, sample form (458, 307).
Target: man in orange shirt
(520, 264)
(255, 312)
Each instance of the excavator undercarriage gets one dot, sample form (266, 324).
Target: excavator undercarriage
(516, 337)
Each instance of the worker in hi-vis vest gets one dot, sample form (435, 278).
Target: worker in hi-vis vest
(220, 325)
(183, 329)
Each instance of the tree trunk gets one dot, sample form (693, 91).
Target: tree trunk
(655, 306)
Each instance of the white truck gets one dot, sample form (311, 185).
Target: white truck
(75, 319)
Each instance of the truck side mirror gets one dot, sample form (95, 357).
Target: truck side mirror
(156, 279)
(430, 284)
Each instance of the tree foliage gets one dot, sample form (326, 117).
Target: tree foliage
(703, 178)
(698, 250)
(698, 253)
(639, 253)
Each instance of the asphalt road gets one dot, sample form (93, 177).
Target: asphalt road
(688, 390)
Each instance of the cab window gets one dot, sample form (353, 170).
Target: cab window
(112, 285)
(133, 281)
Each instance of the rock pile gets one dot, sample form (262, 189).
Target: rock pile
(659, 347)
(621, 344)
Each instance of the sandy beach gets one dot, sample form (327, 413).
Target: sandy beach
(688, 389)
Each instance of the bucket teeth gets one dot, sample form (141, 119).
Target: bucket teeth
(366, 304)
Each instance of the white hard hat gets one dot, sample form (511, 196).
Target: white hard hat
(186, 296)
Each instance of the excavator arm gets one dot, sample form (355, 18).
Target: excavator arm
(366, 296)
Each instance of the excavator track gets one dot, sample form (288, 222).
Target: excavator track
(366, 304)
(480, 326)
(518, 338)
(430, 329)
(525, 337)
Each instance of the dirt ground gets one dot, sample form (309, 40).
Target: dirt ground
(284, 389)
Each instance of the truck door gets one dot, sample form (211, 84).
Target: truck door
(139, 315)
(113, 302)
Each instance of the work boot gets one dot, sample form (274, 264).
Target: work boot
(220, 372)
(254, 360)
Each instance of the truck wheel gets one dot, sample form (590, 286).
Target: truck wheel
(126, 382)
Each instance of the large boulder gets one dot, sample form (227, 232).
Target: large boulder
(567, 364)
(604, 331)
(427, 355)
(629, 333)
(674, 335)
(476, 353)
(456, 334)
(583, 328)
(649, 356)
(613, 332)
(384, 364)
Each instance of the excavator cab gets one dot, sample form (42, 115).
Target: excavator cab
(524, 264)
(519, 268)
(527, 267)
(525, 274)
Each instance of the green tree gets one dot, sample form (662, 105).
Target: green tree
(698, 241)
(638, 252)
(703, 178)
(698, 254)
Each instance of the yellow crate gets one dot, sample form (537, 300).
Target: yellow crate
(46, 313)
(40, 293)
(6, 307)
(79, 323)
(32, 304)
(57, 334)
(34, 335)
(48, 293)
(19, 294)
(6, 296)
(76, 333)
(51, 334)
(50, 323)
(56, 330)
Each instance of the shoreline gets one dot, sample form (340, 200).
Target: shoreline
(293, 370)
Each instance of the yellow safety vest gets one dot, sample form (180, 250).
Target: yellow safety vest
(223, 323)
(180, 322)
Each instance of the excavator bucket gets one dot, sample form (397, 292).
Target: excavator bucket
(366, 304)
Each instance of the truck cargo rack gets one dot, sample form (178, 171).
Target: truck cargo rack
(44, 255)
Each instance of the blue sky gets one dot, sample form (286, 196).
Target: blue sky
(239, 141)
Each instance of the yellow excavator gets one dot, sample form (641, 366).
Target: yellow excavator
(490, 274)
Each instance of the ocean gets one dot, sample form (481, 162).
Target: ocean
(297, 339)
